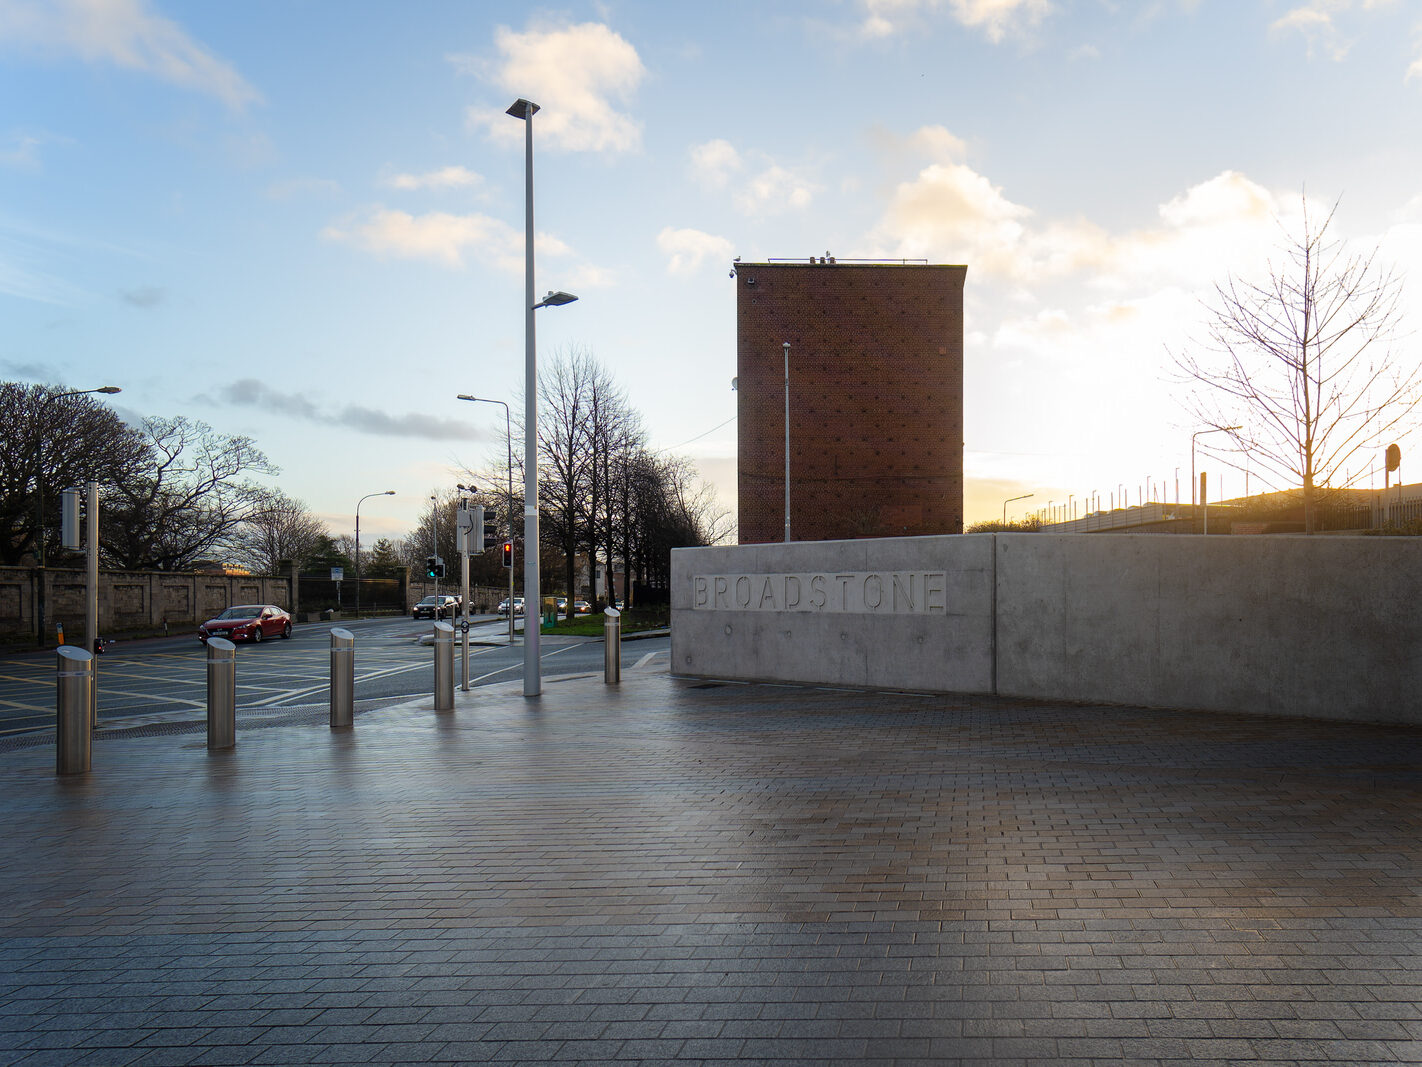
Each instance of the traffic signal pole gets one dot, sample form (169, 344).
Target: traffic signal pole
(508, 562)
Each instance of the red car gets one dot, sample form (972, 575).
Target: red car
(247, 622)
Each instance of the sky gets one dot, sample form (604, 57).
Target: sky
(305, 222)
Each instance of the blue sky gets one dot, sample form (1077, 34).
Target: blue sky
(304, 222)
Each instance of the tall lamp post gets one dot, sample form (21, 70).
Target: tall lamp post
(508, 436)
(362, 500)
(39, 497)
(1201, 433)
(786, 347)
(533, 601)
(1009, 500)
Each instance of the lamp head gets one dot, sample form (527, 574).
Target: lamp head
(522, 109)
(555, 299)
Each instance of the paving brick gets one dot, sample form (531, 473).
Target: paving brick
(668, 873)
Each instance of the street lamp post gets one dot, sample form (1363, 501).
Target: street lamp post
(508, 436)
(532, 677)
(1201, 433)
(787, 441)
(362, 500)
(1009, 500)
(39, 497)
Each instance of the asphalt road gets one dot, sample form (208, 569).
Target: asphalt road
(165, 679)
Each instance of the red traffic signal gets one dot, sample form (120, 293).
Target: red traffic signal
(508, 553)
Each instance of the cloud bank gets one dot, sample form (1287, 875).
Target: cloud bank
(250, 393)
(126, 34)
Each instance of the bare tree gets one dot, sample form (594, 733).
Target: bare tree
(186, 499)
(53, 441)
(277, 528)
(1299, 371)
(565, 454)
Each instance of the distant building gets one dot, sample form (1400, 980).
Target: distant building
(876, 398)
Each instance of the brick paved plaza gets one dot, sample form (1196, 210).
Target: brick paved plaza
(672, 872)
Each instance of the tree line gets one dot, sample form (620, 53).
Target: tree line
(604, 495)
(177, 494)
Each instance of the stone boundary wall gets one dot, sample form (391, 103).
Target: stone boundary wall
(1323, 627)
(129, 600)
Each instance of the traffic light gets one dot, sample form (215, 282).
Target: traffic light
(476, 528)
(439, 569)
(508, 553)
(430, 567)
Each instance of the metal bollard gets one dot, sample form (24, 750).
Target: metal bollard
(74, 676)
(612, 652)
(221, 693)
(444, 666)
(342, 678)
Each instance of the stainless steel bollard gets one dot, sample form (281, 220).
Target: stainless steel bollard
(444, 666)
(612, 653)
(342, 678)
(221, 693)
(75, 679)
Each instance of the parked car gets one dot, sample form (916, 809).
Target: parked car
(518, 606)
(247, 622)
(440, 607)
(562, 603)
(581, 607)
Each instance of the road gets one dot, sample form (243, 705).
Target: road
(165, 679)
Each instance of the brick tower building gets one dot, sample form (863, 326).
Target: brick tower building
(876, 399)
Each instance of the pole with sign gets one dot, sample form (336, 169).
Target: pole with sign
(470, 538)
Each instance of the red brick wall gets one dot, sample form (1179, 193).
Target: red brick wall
(876, 399)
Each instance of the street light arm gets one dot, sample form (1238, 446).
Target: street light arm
(1009, 500)
(1194, 483)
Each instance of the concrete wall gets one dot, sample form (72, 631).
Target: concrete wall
(1320, 627)
(128, 600)
(936, 635)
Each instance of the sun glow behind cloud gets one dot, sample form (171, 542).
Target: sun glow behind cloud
(580, 74)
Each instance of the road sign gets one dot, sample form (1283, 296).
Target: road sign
(338, 574)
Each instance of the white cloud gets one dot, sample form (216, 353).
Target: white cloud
(442, 238)
(577, 74)
(950, 213)
(1315, 22)
(938, 144)
(996, 18)
(770, 190)
(23, 156)
(1318, 22)
(774, 189)
(688, 249)
(714, 162)
(444, 178)
(125, 33)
